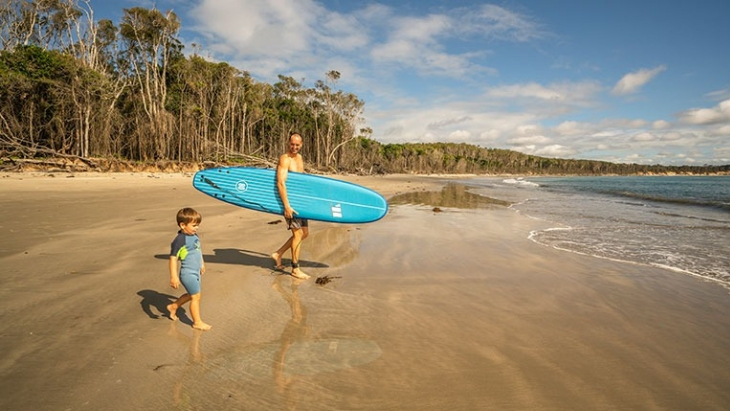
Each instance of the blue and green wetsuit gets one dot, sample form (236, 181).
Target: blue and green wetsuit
(188, 251)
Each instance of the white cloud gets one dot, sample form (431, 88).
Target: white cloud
(555, 150)
(497, 22)
(661, 125)
(489, 135)
(272, 37)
(532, 140)
(636, 158)
(671, 136)
(719, 95)
(415, 42)
(259, 27)
(574, 128)
(643, 137)
(420, 42)
(448, 122)
(632, 82)
(530, 90)
(723, 152)
(459, 135)
(722, 131)
(552, 99)
(718, 114)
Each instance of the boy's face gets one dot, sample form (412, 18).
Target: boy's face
(190, 228)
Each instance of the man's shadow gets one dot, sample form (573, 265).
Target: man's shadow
(246, 257)
(152, 299)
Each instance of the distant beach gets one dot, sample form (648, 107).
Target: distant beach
(443, 304)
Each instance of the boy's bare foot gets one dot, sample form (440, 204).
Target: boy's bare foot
(299, 274)
(277, 261)
(202, 326)
(172, 309)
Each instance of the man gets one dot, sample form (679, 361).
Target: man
(291, 161)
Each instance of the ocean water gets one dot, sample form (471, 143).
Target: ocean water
(680, 223)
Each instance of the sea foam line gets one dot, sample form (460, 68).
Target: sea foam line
(533, 234)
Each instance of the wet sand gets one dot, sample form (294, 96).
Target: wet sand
(425, 310)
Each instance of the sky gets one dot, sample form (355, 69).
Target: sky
(626, 81)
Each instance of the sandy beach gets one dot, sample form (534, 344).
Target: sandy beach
(450, 310)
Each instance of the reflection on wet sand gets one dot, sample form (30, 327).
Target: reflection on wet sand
(180, 395)
(295, 330)
(299, 354)
(333, 246)
(291, 366)
(452, 195)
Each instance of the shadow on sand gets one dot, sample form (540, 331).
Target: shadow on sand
(245, 257)
(154, 299)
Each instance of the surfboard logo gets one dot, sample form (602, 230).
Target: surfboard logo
(242, 185)
(337, 211)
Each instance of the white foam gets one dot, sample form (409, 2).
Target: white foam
(520, 181)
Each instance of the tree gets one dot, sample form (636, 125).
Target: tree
(151, 41)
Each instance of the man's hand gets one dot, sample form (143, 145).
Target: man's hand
(289, 212)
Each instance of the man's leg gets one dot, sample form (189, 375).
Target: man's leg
(298, 236)
(276, 256)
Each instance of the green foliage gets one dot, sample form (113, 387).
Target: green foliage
(393, 151)
(34, 63)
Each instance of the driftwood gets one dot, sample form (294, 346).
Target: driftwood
(17, 158)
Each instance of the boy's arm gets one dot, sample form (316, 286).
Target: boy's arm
(202, 266)
(174, 274)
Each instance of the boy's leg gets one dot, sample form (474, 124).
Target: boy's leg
(195, 312)
(172, 308)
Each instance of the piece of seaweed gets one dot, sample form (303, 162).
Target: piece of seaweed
(324, 280)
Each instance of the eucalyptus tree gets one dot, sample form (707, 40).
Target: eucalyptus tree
(288, 115)
(257, 97)
(151, 41)
(348, 115)
(26, 22)
(325, 88)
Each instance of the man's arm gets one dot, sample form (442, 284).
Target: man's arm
(282, 171)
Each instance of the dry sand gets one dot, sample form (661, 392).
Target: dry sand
(452, 310)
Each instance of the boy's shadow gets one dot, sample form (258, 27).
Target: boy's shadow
(153, 299)
(245, 257)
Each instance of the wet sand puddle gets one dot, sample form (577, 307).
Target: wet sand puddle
(452, 196)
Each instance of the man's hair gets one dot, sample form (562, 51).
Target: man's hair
(188, 215)
(295, 134)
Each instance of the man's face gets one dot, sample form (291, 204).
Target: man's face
(295, 144)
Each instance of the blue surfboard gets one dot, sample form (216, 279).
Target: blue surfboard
(311, 196)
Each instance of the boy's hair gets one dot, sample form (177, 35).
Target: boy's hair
(188, 215)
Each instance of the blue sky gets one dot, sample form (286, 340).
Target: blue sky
(642, 81)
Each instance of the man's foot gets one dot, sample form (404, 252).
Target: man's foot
(172, 310)
(297, 273)
(277, 261)
(202, 326)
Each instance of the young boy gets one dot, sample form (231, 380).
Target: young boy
(186, 249)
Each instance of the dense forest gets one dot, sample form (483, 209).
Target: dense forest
(78, 93)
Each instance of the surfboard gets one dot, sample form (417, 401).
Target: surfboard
(311, 196)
